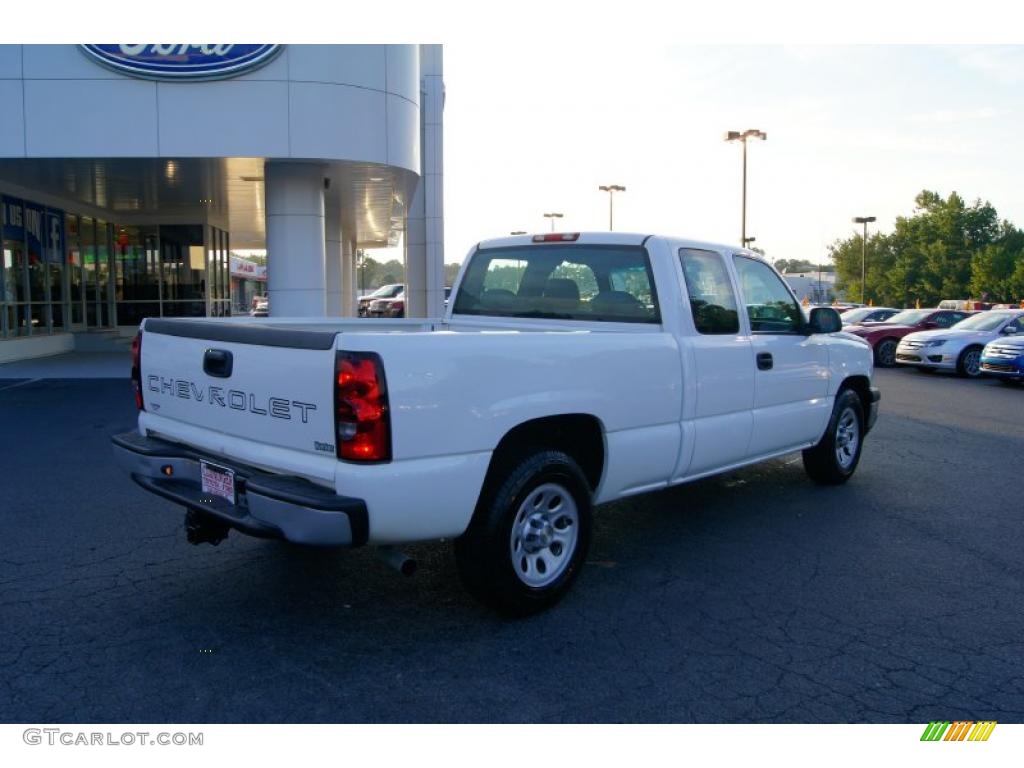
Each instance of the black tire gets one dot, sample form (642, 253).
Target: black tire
(885, 353)
(831, 462)
(486, 554)
(968, 364)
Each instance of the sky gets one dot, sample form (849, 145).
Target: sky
(853, 130)
(549, 99)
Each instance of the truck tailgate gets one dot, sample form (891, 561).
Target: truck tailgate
(263, 384)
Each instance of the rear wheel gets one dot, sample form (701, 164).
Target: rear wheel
(529, 535)
(885, 353)
(969, 363)
(834, 459)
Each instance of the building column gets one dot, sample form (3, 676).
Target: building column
(333, 257)
(295, 239)
(349, 276)
(424, 231)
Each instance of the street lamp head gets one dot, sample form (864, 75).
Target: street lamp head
(518, 232)
(747, 240)
(754, 133)
(863, 219)
(612, 188)
(553, 215)
(732, 135)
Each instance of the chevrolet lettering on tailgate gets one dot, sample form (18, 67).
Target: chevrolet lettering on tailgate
(236, 399)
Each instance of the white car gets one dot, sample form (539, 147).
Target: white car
(958, 348)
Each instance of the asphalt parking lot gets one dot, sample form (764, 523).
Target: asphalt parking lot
(751, 597)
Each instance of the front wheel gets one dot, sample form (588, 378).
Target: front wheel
(885, 353)
(529, 535)
(969, 363)
(834, 459)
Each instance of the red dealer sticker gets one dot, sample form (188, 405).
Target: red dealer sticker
(218, 481)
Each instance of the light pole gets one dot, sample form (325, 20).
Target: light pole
(865, 220)
(611, 189)
(553, 216)
(742, 136)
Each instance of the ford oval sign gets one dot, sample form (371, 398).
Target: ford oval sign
(182, 61)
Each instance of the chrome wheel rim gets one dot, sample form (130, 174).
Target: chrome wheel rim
(544, 535)
(972, 363)
(887, 353)
(847, 438)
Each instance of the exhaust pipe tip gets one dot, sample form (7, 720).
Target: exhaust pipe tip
(397, 559)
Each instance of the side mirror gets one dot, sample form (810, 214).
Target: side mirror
(1009, 330)
(824, 320)
(931, 324)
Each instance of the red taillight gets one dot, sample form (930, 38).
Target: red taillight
(557, 237)
(137, 370)
(361, 417)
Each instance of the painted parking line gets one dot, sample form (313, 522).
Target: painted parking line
(19, 384)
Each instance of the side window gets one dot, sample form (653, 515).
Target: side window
(712, 300)
(1017, 324)
(770, 306)
(946, 319)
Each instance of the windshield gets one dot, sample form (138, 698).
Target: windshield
(563, 282)
(986, 321)
(386, 291)
(909, 316)
(856, 315)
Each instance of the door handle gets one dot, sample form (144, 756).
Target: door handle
(764, 361)
(217, 362)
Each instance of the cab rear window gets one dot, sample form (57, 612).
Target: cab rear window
(561, 282)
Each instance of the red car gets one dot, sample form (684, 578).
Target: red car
(885, 336)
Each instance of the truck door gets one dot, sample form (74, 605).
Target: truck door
(791, 404)
(718, 367)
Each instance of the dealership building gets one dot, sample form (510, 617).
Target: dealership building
(132, 174)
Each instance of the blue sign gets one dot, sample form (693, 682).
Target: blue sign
(184, 61)
(39, 228)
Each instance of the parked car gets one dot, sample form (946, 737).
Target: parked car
(959, 348)
(389, 307)
(1003, 358)
(395, 307)
(543, 391)
(260, 307)
(384, 292)
(969, 305)
(859, 315)
(885, 336)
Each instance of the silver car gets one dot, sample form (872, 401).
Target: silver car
(958, 348)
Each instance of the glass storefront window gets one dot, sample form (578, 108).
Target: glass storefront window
(66, 271)
(76, 295)
(87, 243)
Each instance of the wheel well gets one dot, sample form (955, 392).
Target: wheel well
(578, 435)
(862, 387)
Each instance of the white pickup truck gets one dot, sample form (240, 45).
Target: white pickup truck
(569, 370)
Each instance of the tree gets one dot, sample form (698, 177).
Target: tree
(945, 250)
